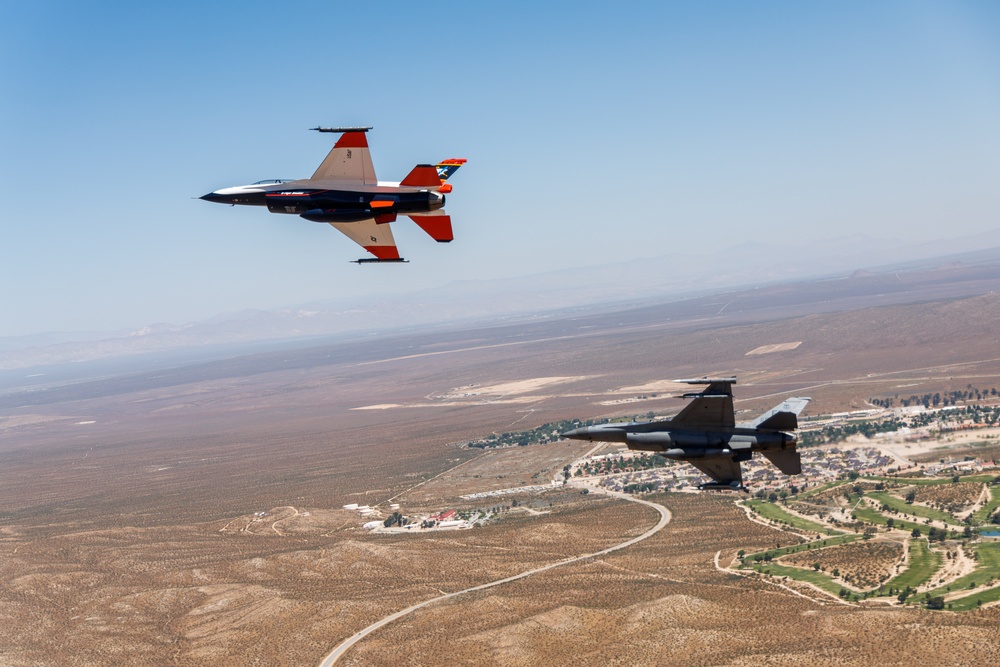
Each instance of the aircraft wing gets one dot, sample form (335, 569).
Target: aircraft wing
(712, 407)
(349, 160)
(370, 235)
(722, 469)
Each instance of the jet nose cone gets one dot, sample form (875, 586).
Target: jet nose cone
(214, 196)
(582, 433)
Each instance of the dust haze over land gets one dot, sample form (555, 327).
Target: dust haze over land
(127, 531)
(640, 282)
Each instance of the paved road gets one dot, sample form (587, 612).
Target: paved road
(338, 652)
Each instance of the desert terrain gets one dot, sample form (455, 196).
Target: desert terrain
(193, 514)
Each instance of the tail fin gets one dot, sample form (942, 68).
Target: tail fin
(437, 224)
(422, 176)
(782, 417)
(445, 168)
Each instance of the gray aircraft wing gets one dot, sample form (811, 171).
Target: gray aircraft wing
(722, 469)
(711, 407)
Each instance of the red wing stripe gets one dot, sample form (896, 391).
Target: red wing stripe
(352, 140)
(383, 251)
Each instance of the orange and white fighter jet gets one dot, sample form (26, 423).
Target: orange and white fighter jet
(345, 194)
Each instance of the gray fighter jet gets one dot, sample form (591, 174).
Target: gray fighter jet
(706, 435)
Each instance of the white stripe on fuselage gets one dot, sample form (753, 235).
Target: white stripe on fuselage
(383, 187)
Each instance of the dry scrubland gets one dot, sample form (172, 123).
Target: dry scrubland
(198, 596)
(949, 497)
(127, 533)
(663, 602)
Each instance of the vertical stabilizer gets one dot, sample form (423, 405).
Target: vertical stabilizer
(782, 417)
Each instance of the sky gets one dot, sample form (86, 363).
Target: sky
(595, 133)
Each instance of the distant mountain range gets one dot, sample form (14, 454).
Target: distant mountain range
(609, 286)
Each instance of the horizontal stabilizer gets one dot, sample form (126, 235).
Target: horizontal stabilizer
(422, 176)
(786, 460)
(435, 224)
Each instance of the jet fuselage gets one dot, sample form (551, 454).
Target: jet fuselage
(317, 203)
(660, 437)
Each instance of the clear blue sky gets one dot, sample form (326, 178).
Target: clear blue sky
(595, 132)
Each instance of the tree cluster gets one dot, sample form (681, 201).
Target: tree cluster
(937, 399)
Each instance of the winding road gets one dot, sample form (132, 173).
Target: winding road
(346, 645)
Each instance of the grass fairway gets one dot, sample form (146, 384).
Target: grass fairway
(972, 601)
(987, 569)
(805, 546)
(864, 513)
(877, 508)
(901, 506)
(987, 510)
(818, 489)
(820, 579)
(771, 511)
(923, 481)
(923, 564)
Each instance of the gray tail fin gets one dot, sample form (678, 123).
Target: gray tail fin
(782, 417)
